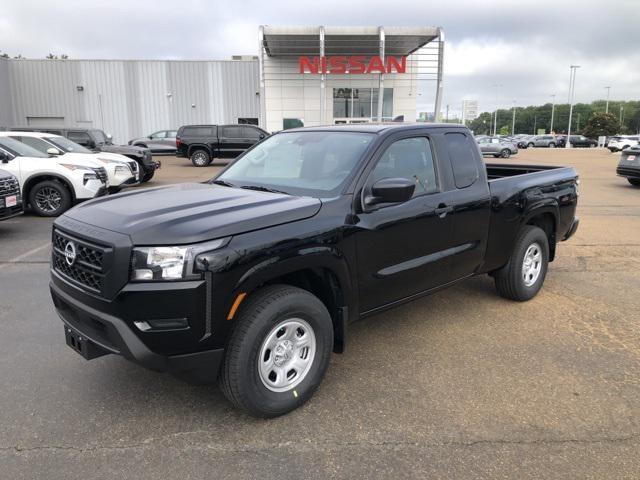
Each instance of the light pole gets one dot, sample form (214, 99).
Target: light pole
(553, 109)
(572, 85)
(495, 122)
(606, 109)
(513, 121)
(621, 115)
(535, 121)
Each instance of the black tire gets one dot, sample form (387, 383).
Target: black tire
(510, 281)
(240, 378)
(552, 145)
(148, 175)
(49, 198)
(200, 158)
(634, 181)
(505, 153)
(530, 145)
(496, 155)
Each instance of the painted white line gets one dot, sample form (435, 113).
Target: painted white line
(29, 253)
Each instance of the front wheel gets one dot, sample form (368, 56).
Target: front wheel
(49, 198)
(278, 352)
(552, 145)
(505, 153)
(634, 181)
(522, 277)
(148, 175)
(529, 144)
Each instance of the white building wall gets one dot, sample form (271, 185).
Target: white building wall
(290, 94)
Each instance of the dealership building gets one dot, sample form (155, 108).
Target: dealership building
(300, 76)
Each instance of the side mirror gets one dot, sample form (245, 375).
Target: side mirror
(4, 158)
(390, 190)
(54, 152)
(109, 138)
(262, 135)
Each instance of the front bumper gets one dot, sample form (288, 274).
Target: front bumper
(572, 229)
(628, 172)
(111, 334)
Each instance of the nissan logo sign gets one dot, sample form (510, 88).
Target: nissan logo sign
(70, 253)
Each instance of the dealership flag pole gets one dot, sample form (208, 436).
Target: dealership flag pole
(322, 79)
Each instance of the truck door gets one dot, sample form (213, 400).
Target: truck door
(470, 199)
(404, 249)
(231, 141)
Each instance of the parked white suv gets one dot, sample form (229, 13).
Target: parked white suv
(121, 171)
(52, 185)
(622, 142)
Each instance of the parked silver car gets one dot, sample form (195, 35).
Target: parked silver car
(549, 141)
(498, 147)
(162, 141)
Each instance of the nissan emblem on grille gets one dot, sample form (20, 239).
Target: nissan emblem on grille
(70, 253)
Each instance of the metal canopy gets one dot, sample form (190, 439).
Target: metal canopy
(295, 41)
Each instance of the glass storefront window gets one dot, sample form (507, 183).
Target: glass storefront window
(361, 103)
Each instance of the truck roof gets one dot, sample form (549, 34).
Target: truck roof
(379, 127)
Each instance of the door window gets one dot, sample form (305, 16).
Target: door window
(81, 138)
(36, 143)
(408, 158)
(158, 135)
(172, 133)
(252, 133)
(232, 132)
(463, 160)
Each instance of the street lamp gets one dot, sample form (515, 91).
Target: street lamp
(553, 109)
(606, 109)
(495, 122)
(572, 85)
(513, 122)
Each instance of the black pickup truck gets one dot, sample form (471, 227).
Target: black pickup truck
(253, 277)
(202, 143)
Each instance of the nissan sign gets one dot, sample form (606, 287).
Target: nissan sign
(338, 64)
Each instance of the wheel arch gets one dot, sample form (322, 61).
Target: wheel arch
(325, 277)
(199, 146)
(42, 177)
(547, 220)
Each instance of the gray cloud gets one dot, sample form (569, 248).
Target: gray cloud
(526, 46)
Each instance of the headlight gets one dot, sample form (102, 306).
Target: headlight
(149, 264)
(74, 167)
(108, 160)
(122, 169)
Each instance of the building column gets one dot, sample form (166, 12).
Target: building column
(262, 117)
(381, 76)
(438, 103)
(323, 90)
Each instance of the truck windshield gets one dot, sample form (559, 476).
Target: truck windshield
(20, 149)
(307, 163)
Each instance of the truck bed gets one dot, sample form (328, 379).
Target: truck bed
(496, 171)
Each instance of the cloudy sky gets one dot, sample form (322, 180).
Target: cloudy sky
(526, 46)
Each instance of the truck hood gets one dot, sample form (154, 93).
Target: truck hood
(112, 156)
(122, 149)
(191, 212)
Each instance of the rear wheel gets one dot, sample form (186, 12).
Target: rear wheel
(634, 181)
(552, 145)
(529, 144)
(278, 352)
(200, 158)
(49, 198)
(505, 153)
(148, 175)
(522, 277)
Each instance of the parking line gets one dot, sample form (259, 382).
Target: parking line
(19, 258)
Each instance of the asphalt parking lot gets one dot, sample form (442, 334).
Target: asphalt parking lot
(462, 384)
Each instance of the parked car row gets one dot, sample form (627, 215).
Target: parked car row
(497, 146)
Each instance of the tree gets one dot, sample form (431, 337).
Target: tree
(601, 124)
(505, 130)
(51, 56)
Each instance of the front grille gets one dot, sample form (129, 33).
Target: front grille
(134, 166)
(101, 173)
(628, 172)
(9, 186)
(88, 268)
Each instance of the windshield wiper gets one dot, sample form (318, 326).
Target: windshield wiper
(223, 183)
(260, 188)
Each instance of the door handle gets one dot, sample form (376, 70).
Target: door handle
(443, 209)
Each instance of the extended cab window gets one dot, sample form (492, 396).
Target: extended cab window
(198, 132)
(252, 133)
(81, 138)
(463, 160)
(232, 132)
(408, 158)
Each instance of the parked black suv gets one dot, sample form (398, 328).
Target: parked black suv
(10, 200)
(203, 143)
(96, 140)
(257, 274)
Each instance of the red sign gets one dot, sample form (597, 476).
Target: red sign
(355, 64)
